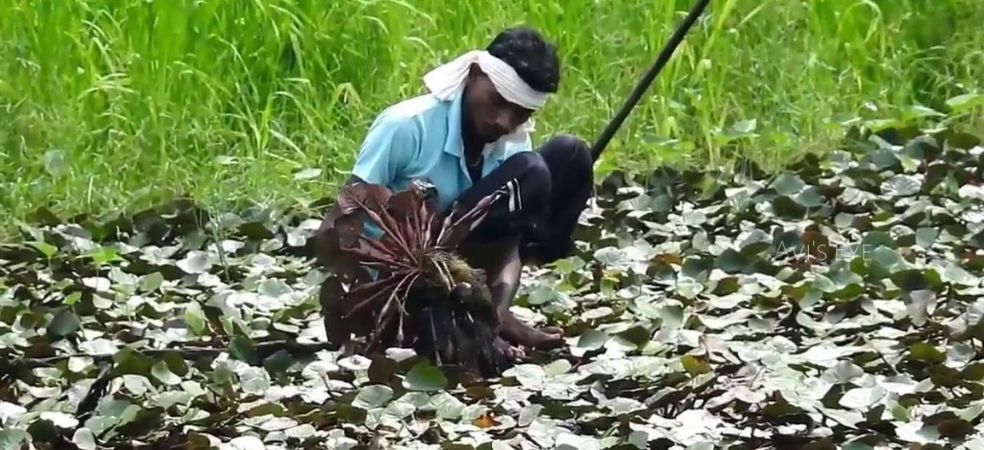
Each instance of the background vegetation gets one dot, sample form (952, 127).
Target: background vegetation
(119, 104)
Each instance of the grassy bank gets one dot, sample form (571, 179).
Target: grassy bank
(108, 104)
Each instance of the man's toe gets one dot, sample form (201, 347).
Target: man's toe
(558, 331)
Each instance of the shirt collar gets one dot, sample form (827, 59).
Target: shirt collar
(454, 144)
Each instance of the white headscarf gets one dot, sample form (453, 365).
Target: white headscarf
(444, 81)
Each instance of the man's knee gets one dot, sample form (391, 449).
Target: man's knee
(567, 142)
(568, 153)
(533, 172)
(528, 162)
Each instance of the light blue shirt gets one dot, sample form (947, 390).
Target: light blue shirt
(420, 138)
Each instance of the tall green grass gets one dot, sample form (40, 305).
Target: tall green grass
(110, 104)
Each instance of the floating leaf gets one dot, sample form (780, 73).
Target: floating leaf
(60, 419)
(699, 310)
(151, 282)
(195, 262)
(84, 439)
(195, 318)
(162, 372)
(920, 305)
(862, 398)
(373, 396)
(530, 376)
(425, 377)
(65, 323)
(901, 185)
(922, 351)
(592, 339)
(695, 365)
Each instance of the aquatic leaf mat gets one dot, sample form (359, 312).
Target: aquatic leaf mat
(836, 305)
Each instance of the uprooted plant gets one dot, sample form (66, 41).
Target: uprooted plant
(399, 282)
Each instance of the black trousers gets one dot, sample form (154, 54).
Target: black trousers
(544, 193)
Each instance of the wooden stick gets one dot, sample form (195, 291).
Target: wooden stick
(647, 79)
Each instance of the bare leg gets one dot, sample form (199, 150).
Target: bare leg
(503, 269)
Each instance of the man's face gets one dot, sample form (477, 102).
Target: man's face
(490, 115)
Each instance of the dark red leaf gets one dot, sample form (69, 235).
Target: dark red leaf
(367, 294)
(456, 229)
(389, 226)
(352, 197)
(370, 255)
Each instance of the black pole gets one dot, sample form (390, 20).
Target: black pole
(647, 80)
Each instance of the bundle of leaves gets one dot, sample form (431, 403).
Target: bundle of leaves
(407, 287)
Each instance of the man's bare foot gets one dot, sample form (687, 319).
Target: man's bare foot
(524, 335)
(508, 351)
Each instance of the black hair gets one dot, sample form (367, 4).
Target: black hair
(534, 59)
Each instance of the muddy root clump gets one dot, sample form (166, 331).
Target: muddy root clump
(397, 281)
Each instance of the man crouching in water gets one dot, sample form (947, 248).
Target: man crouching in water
(469, 137)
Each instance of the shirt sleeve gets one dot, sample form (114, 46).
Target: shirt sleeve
(387, 150)
(518, 144)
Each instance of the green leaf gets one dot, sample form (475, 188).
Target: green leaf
(162, 372)
(913, 280)
(965, 102)
(84, 439)
(65, 323)
(104, 255)
(873, 239)
(12, 438)
(731, 261)
(129, 361)
(447, 406)
(151, 282)
(957, 275)
(919, 111)
(255, 380)
(195, 262)
(279, 362)
(973, 372)
(558, 367)
(809, 198)
(788, 184)
(926, 237)
(530, 376)
(45, 248)
(887, 259)
(901, 185)
(307, 174)
(55, 162)
(73, 298)
(745, 126)
(695, 365)
(373, 396)
(425, 377)
(242, 349)
(862, 398)
(195, 318)
(592, 339)
(963, 141)
(922, 351)
(919, 306)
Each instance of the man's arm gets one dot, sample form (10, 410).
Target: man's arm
(390, 145)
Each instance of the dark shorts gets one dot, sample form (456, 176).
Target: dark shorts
(544, 193)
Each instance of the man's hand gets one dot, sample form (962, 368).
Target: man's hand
(503, 268)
